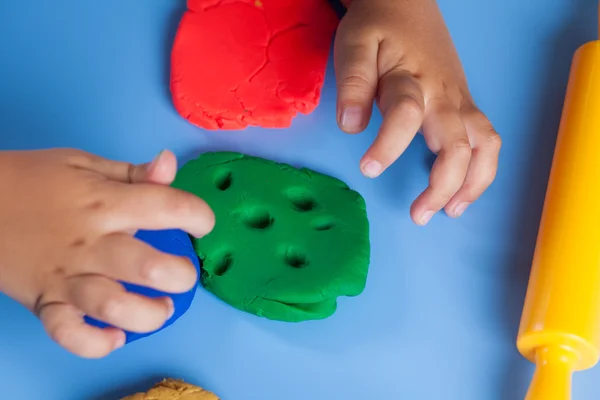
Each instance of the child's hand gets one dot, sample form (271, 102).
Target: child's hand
(400, 53)
(67, 220)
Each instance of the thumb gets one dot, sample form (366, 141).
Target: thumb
(355, 58)
(161, 170)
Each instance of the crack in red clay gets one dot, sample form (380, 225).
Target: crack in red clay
(265, 40)
(247, 111)
(274, 36)
(220, 3)
(299, 25)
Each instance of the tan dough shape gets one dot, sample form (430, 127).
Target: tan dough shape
(174, 389)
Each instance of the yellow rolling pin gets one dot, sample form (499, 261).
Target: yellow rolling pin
(560, 325)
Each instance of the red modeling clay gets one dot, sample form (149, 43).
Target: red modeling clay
(239, 63)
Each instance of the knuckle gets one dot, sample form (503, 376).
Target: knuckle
(110, 308)
(461, 146)
(150, 269)
(410, 107)
(102, 218)
(75, 154)
(76, 157)
(356, 81)
(493, 140)
(486, 129)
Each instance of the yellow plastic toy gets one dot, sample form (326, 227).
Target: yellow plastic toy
(560, 325)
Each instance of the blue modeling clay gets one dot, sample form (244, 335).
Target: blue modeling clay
(174, 242)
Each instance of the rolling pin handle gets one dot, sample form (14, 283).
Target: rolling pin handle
(553, 374)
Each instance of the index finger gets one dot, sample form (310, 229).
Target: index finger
(401, 104)
(152, 207)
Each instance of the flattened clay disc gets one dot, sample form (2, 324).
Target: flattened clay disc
(239, 63)
(174, 242)
(287, 242)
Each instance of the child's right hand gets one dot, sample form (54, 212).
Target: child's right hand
(400, 55)
(67, 220)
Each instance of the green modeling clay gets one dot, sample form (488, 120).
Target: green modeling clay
(287, 241)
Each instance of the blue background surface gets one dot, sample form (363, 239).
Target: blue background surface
(440, 314)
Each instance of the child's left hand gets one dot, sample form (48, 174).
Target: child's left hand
(400, 54)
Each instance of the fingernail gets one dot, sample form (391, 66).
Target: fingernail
(351, 118)
(120, 341)
(155, 161)
(171, 306)
(460, 209)
(426, 217)
(371, 169)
